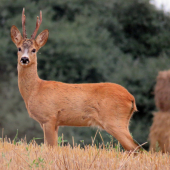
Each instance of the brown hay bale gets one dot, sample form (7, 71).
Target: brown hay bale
(162, 91)
(160, 132)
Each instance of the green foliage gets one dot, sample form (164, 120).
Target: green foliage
(125, 42)
(157, 147)
(39, 162)
(142, 30)
(61, 140)
(15, 138)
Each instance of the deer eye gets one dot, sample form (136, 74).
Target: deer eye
(34, 50)
(19, 49)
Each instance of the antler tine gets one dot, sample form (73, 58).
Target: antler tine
(23, 24)
(38, 23)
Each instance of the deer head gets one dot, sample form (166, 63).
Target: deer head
(27, 48)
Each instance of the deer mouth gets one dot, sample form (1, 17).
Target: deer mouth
(24, 61)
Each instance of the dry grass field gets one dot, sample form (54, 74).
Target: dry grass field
(17, 156)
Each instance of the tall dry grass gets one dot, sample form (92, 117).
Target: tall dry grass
(32, 156)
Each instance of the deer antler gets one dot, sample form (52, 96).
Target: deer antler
(38, 23)
(23, 24)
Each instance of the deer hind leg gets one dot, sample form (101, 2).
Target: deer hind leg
(123, 136)
(120, 131)
(119, 128)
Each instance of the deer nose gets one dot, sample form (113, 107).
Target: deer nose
(24, 60)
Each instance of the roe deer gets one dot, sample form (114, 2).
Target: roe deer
(53, 104)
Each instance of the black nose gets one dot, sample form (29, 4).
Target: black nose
(24, 60)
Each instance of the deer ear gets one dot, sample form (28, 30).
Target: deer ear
(15, 35)
(42, 38)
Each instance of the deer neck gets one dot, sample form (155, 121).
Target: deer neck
(28, 80)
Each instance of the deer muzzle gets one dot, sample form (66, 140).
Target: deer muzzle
(24, 60)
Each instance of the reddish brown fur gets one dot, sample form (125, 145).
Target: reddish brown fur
(53, 104)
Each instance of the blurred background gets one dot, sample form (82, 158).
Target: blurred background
(121, 41)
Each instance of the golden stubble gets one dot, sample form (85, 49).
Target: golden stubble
(32, 156)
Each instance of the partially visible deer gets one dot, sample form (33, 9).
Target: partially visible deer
(53, 104)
